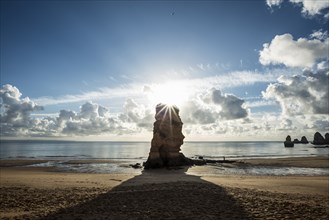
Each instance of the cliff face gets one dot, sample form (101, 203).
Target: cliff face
(167, 139)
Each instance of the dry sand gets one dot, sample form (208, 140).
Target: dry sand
(35, 193)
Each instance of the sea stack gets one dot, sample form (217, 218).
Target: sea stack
(304, 140)
(288, 142)
(167, 139)
(320, 140)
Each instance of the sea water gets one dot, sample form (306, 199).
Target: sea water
(58, 153)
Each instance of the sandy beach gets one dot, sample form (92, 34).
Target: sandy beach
(44, 193)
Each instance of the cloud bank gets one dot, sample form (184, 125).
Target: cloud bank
(209, 113)
(16, 118)
(301, 94)
(94, 119)
(15, 111)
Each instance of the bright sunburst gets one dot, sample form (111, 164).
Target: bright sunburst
(171, 93)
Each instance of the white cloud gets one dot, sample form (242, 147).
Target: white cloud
(309, 7)
(138, 114)
(323, 65)
(312, 7)
(319, 34)
(91, 110)
(286, 124)
(94, 119)
(303, 53)
(272, 3)
(101, 94)
(301, 94)
(15, 111)
(326, 16)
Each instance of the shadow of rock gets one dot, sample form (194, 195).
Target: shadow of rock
(159, 194)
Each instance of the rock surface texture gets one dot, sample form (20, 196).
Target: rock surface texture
(167, 139)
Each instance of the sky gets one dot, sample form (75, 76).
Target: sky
(95, 70)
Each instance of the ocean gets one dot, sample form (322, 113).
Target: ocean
(59, 153)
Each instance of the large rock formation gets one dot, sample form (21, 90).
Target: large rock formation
(296, 141)
(288, 142)
(167, 139)
(320, 140)
(304, 140)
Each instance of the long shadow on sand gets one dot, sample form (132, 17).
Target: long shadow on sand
(159, 194)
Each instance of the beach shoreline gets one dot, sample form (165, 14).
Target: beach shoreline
(45, 193)
(307, 162)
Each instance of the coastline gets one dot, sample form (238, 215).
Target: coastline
(307, 162)
(44, 193)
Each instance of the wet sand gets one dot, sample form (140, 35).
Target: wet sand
(309, 162)
(43, 193)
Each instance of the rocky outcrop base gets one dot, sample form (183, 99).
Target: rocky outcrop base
(173, 161)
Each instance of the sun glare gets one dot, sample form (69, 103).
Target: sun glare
(170, 93)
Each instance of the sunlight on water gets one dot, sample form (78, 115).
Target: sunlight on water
(122, 154)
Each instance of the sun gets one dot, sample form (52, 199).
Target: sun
(170, 93)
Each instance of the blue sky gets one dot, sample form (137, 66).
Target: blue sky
(122, 55)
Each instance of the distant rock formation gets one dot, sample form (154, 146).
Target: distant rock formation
(296, 141)
(304, 140)
(288, 142)
(320, 140)
(167, 139)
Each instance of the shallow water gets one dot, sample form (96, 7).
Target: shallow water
(68, 150)
(122, 154)
(208, 170)
(114, 168)
(215, 170)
